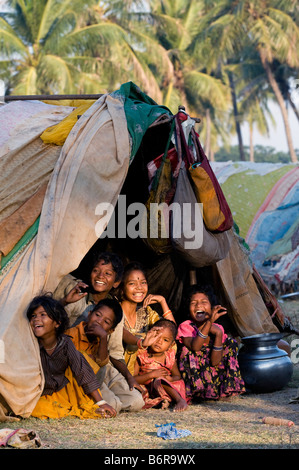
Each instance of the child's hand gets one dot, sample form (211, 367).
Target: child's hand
(96, 330)
(75, 294)
(160, 373)
(132, 382)
(106, 411)
(216, 330)
(153, 299)
(151, 336)
(217, 312)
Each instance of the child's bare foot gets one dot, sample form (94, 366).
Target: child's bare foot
(165, 404)
(181, 405)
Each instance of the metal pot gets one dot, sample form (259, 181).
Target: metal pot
(263, 365)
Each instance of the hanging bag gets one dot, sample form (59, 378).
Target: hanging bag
(217, 215)
(156, 224)
(189, 236)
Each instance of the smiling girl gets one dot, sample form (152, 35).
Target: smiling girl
(208, 357)
(70, 385)
(138, 315)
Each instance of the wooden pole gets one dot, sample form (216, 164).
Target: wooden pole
(51, 97)
(192, 277)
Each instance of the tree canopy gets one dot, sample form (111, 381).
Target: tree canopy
(224, 60)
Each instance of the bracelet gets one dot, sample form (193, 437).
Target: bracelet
(101, 402)
(218, 348)
(139, 344)
(165, 314)
(202, 335)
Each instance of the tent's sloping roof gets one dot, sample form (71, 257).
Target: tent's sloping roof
(27, 162)
(90, 168)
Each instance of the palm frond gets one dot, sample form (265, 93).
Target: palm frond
(55, 72)
(208, 88)
(26, 82)
(9, 42)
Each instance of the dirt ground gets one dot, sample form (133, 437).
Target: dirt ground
(233, 424)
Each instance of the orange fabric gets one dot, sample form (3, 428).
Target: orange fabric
(69, 401)
(79, 338)
(206, 194)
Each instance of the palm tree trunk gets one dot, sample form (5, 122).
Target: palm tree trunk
(236, 116)
(293, 106)
(281, 103)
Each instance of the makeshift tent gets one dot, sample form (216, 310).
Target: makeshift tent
(49, 198)
(264, 199)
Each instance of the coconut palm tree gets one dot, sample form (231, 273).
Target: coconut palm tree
(32, 41)
(213, 47)
(210, 97)
(271, 27)
(142, 59)
(74, 46)
(176, 25)
(254, 95)
(287, 78)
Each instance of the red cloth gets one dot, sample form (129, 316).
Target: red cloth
(154, 392)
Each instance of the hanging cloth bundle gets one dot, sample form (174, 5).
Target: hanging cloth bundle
(190, 237)
(217, 215)
(172, 184)
(156, 222)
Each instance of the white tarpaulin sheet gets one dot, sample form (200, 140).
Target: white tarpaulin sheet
(91, 168)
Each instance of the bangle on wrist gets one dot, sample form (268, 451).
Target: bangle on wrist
(168, 312)
(201, 335)
(140, 345)
(101, 402)
(218, 348)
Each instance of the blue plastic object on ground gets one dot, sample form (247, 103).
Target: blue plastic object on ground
(169, 431)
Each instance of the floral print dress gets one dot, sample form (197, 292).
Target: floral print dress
(202, 380)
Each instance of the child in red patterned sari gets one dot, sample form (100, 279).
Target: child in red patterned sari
(157, 371)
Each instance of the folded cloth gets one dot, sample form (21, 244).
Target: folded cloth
(19, 438)
(169, 431)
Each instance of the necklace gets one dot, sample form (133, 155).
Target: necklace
(50, 349)
(131, 327)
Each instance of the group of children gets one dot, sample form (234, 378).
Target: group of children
(104, 353)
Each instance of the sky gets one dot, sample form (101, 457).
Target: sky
(277, 136)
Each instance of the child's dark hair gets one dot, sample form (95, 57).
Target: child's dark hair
(201, 289)
(164, 323)
(112, 258)
(114, 305)
(54, 310)
(133, 266)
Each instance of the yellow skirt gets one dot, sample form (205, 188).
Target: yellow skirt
(69, 401)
